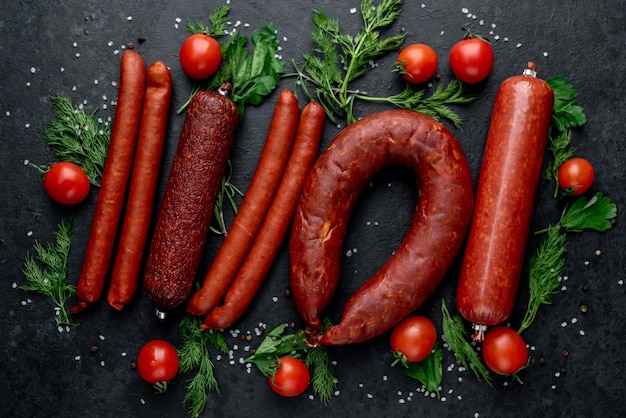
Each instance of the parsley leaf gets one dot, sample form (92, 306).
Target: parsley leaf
(594, 213)
(274, 346)
(567, 114)
(428, 371)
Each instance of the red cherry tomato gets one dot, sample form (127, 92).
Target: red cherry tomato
(157, 362)
(200, 56)
(576, 175)
(471, 60)
(417, 63)
(415, 337)
(66, 183)
(504, 350)
(292, 377)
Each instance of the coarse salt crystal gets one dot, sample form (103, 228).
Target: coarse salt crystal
(620, 282)
(129, 18)
(553, 387)
(563, 324)
(101, 337)
(123, 353)
(7, 113)
(26, 162)
(574, 320)
(274, 299)
(545, 54)
(464, 10)
(519, 45)
(581, 332)
(33, 70)
(29, 233)
(77, 358)
(370, 396)
(14, 285)
(143, 401)
(353, 10)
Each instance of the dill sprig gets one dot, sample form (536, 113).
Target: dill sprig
(323, 377)
(78, 137)
(227, 194)
(193, 355)
(338, 59)
(218, 19)
(46, 273)
(456, 336)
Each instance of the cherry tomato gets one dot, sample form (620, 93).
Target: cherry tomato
(66, 183)
(471, 60)
(157, 362)
(576, 174)
(504, 350)
(414, 337)
(292, 377)
(200, 56)
(417, 63)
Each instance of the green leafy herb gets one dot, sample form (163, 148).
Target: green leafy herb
(428, 371)
(323, 379)
(253, 74)
(278, 344)
(78, 137)
(456, 336)
(546, 265)
(275, 345)
(595, 213)
(47, 272)
(545, 272)
(566, 115)
(193, 355)
(218, 19)
(338, 59)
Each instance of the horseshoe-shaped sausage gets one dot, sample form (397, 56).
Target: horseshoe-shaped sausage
(434, 237)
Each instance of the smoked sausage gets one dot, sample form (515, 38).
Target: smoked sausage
(266, 244)
(143, 183)
(190, 194)
(505, 195)
(434, 237)
(112, 192)
(253, 208)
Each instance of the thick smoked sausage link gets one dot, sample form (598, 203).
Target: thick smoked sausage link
(434, 237)
(510, 172)
(112, 192)
(190, 195)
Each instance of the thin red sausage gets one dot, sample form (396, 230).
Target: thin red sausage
(505, 196)
(190, 194)
(434, 237)
(257, 263)
(114, 181)
(150, 144)
(253, 207)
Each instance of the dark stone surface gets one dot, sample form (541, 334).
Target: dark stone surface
(69, 48)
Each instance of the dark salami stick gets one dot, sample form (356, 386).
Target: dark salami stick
(505, 196)
(266, 244)
(431, 243)
(150, 144)
(253, 208)
(190, 194)
(114, 181)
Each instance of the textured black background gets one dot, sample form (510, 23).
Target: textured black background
(69, 48)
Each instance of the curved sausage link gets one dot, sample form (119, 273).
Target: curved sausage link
(435, 235)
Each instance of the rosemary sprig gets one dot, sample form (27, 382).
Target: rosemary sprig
(456, 336)
(78, 137)
(193, 355)
(46, 273)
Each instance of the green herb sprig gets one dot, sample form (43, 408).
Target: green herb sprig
(566, 115)
(338, 59)
(78, 137)
(278, 344)
(456, 336)
(194, 355)
(546, 265)
(429, 371)
(46, 273)
(253, 74)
